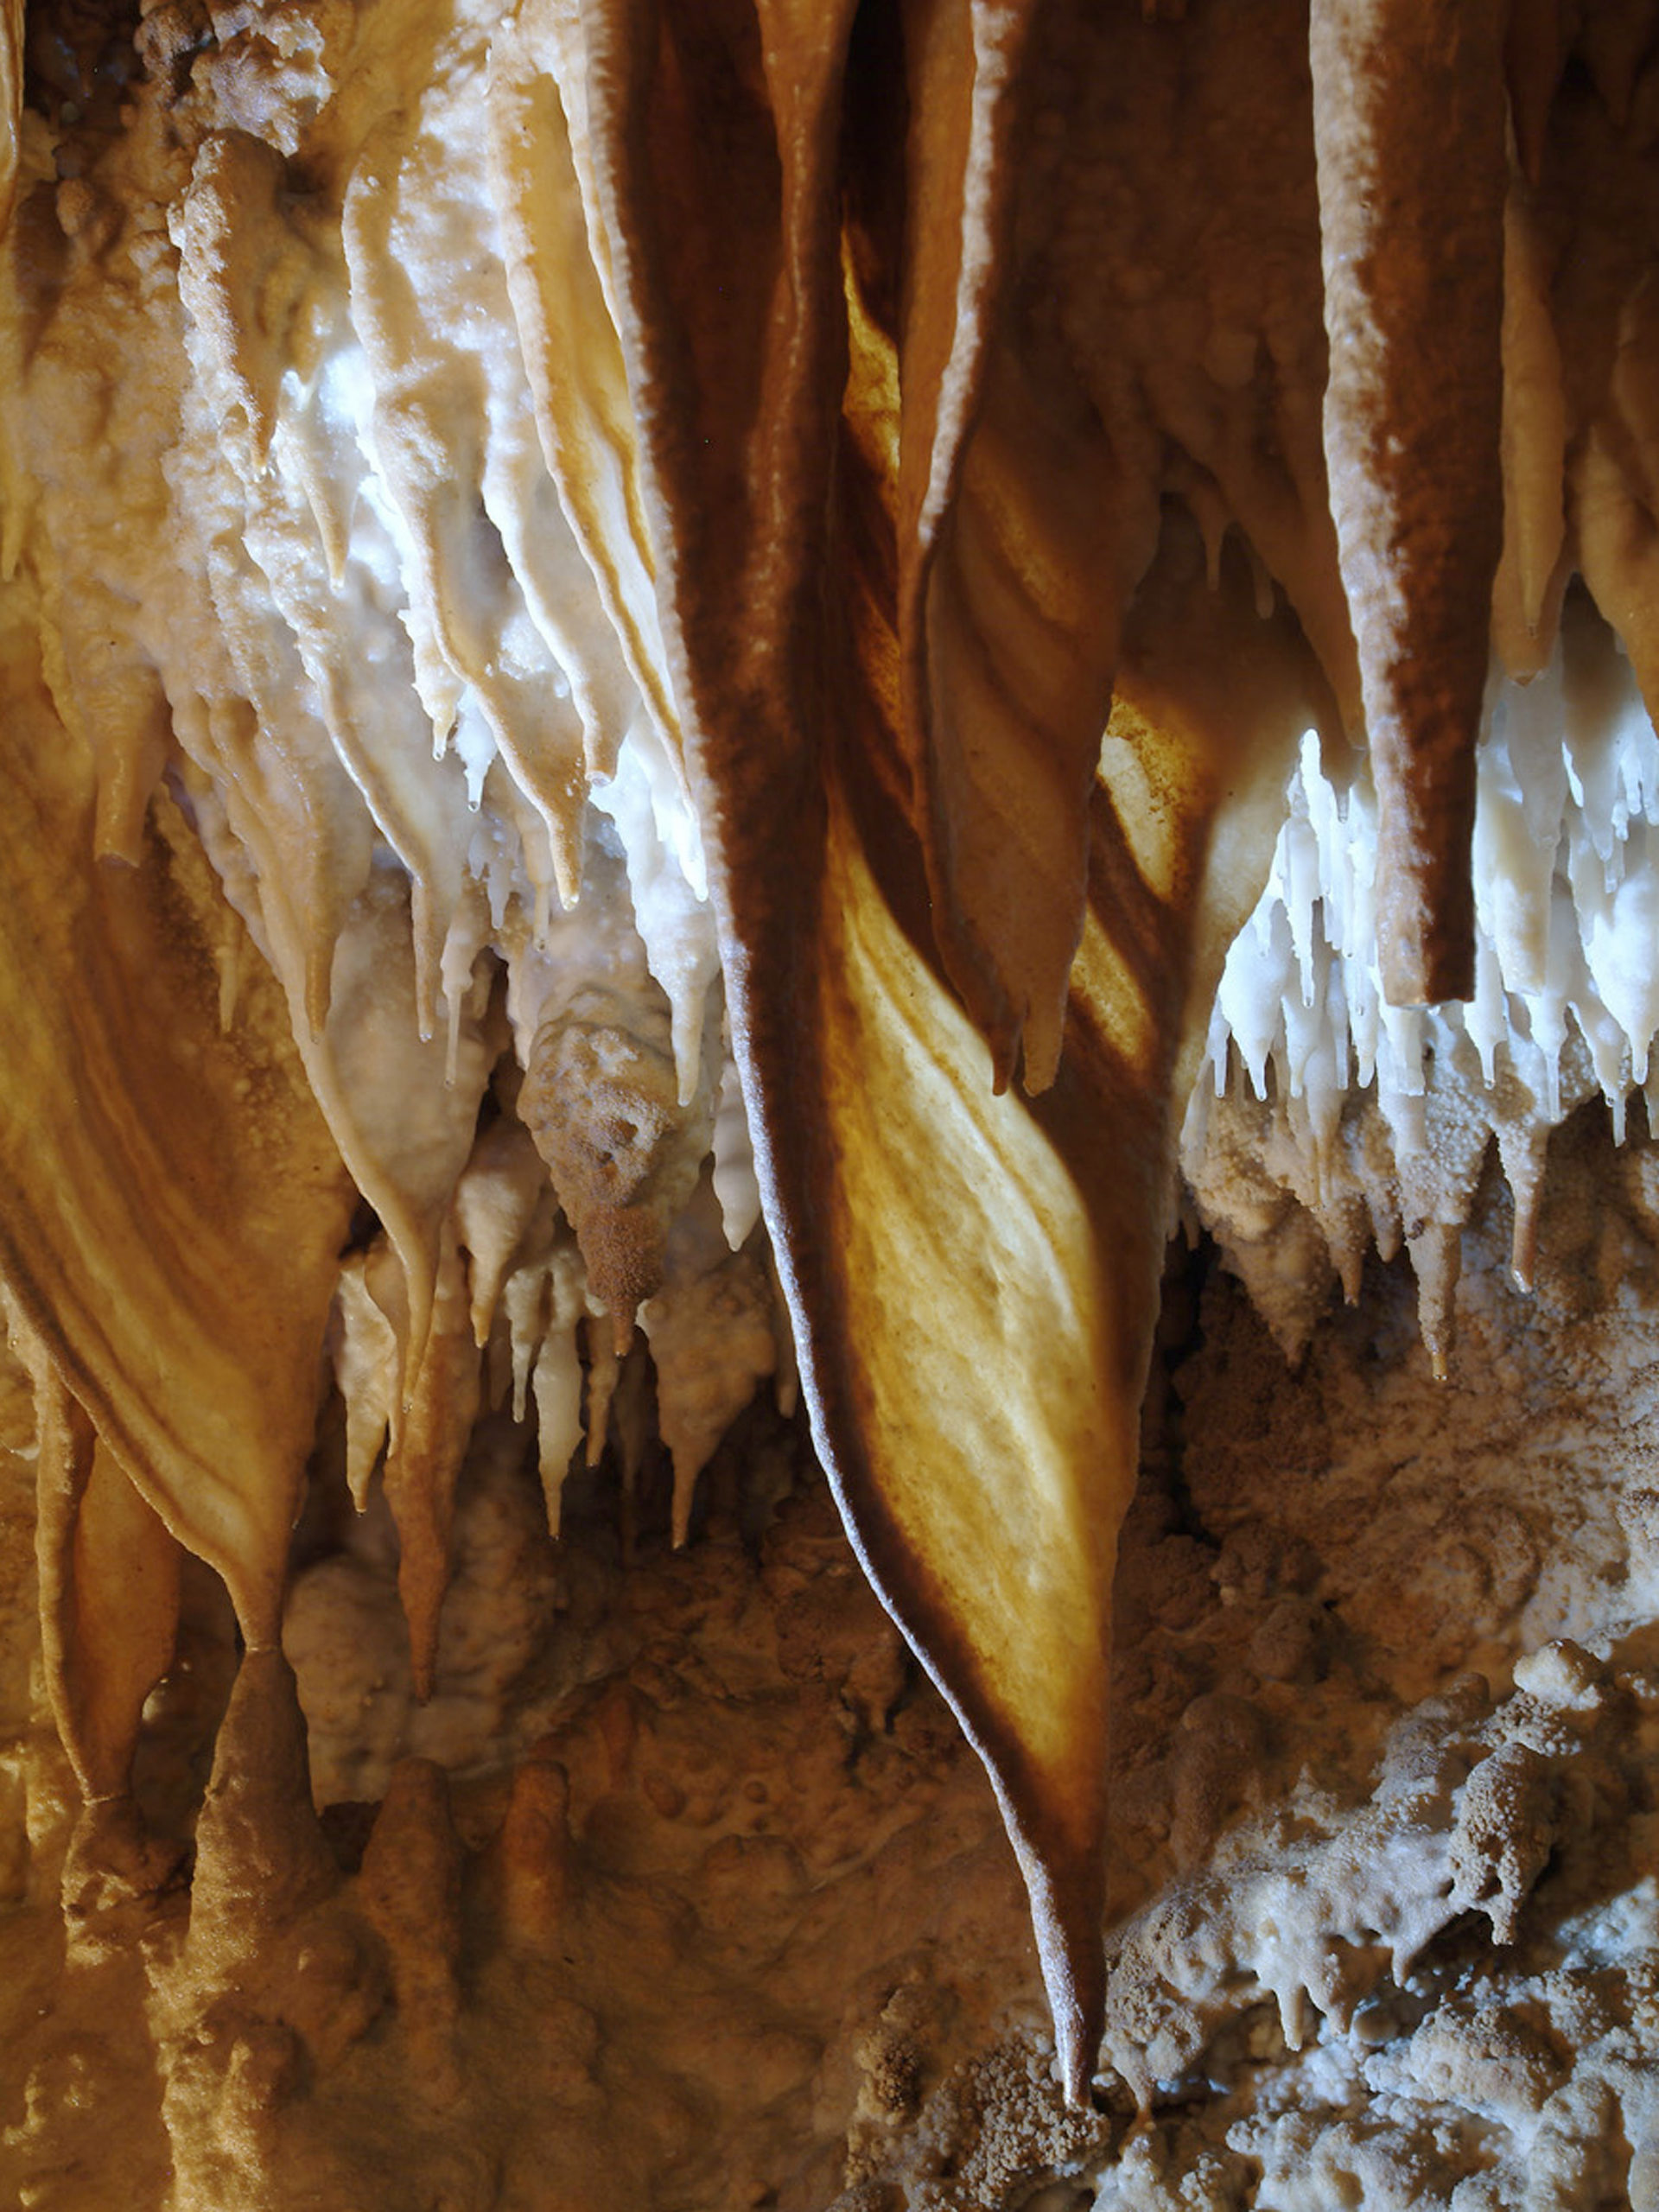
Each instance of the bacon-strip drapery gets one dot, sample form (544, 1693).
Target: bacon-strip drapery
(974, 1273)
(856, 495)
(170, 1203)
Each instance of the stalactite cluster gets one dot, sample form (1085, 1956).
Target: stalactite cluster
(695, 686)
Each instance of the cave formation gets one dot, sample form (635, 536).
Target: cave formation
(711, 706)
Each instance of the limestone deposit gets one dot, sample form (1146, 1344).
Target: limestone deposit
(730, 730)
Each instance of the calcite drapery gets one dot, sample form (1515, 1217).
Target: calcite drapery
(857, 494)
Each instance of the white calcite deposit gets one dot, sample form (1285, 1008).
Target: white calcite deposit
(708, 709)
(1382, 1117)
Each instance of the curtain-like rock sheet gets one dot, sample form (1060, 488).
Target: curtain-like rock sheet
(895, 788)
(171, 1206)
(878, 451)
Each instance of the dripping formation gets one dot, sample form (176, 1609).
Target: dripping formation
(579, 751)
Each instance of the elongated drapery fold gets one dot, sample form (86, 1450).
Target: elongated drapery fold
(973, 1272)
(169, 1230)
(789, 472)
